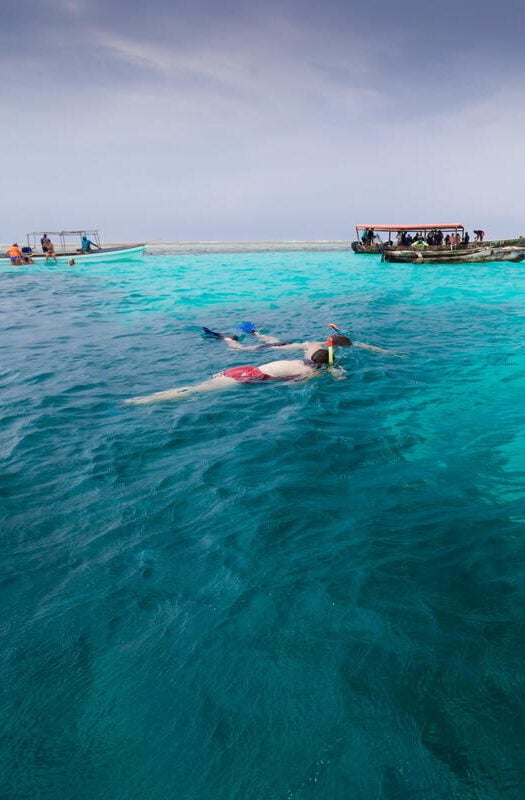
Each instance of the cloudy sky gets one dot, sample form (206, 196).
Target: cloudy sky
(237, 120)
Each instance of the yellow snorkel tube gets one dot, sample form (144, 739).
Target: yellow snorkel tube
(330, 343)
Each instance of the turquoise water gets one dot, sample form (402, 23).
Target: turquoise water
(287, 591)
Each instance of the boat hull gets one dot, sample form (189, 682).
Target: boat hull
(477, 255)
(103, 255)
(359, 247)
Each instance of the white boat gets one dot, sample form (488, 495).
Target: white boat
(120, 253)
(75, 247)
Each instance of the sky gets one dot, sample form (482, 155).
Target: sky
(192, 120)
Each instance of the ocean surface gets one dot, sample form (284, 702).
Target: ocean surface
(300, 590)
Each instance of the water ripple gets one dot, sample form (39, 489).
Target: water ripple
(286, 591)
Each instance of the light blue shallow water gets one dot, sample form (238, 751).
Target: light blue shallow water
(287, 591)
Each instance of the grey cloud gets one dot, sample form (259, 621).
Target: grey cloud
(402, 49)
(232, 120)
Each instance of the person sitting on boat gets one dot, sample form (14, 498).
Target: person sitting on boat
(86, 244)
(293, 370)
(336, 340)
(27, 255)
(419, 244)
(15, 254)
(45, 241)
(369, 237)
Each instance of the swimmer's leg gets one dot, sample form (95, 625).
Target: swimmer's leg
(212, 334)
(158, 397)
(270, 344)
(213, 384)
(232, 341)
(265, 338)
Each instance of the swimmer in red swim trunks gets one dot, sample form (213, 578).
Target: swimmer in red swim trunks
(294, 369)
(245, 374)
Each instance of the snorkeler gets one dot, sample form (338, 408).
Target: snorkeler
(244, 327)
(338, 340)
(283, 370)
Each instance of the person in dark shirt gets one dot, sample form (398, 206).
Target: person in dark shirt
(27, 255)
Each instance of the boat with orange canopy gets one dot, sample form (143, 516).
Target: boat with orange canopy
(443, 243)
(369, 239)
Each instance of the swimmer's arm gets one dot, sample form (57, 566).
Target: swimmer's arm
(338, 373)
(374, 349)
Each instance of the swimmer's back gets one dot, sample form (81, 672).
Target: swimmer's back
(286, 370)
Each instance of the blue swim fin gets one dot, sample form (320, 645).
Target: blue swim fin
(246, 327)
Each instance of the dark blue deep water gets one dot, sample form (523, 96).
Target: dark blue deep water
(310, 590)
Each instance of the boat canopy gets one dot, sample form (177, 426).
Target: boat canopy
(65, 238)
(449, 226)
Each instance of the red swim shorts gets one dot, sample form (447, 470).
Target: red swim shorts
(245, 374)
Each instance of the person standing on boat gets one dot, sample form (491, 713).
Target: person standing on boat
(480, 235)
(86, 244)
(50, 254)
(45, 241)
